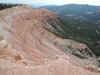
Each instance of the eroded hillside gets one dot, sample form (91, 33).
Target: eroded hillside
(30, 48)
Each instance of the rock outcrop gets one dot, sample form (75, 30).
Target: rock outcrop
(30, 48)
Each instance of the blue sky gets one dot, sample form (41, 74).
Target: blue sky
(53, 2)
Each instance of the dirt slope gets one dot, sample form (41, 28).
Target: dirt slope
(29, 48)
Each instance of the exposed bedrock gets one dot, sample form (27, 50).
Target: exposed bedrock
(30, 48)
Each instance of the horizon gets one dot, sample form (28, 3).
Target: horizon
(52, 2)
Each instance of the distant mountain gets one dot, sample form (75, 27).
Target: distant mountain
(82, 23)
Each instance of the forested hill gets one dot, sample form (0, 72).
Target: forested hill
(82, 23)
(4, 6)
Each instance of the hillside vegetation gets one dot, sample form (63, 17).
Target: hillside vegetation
(81, 23)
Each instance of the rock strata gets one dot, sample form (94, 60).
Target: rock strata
(29, 48)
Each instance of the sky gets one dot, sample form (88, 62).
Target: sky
(53, 2)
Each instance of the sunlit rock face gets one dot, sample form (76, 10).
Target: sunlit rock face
(29, 47)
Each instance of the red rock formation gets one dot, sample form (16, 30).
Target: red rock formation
(34, 51)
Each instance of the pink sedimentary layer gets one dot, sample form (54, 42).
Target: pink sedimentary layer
(33, 51)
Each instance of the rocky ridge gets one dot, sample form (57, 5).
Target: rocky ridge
(30, 48)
